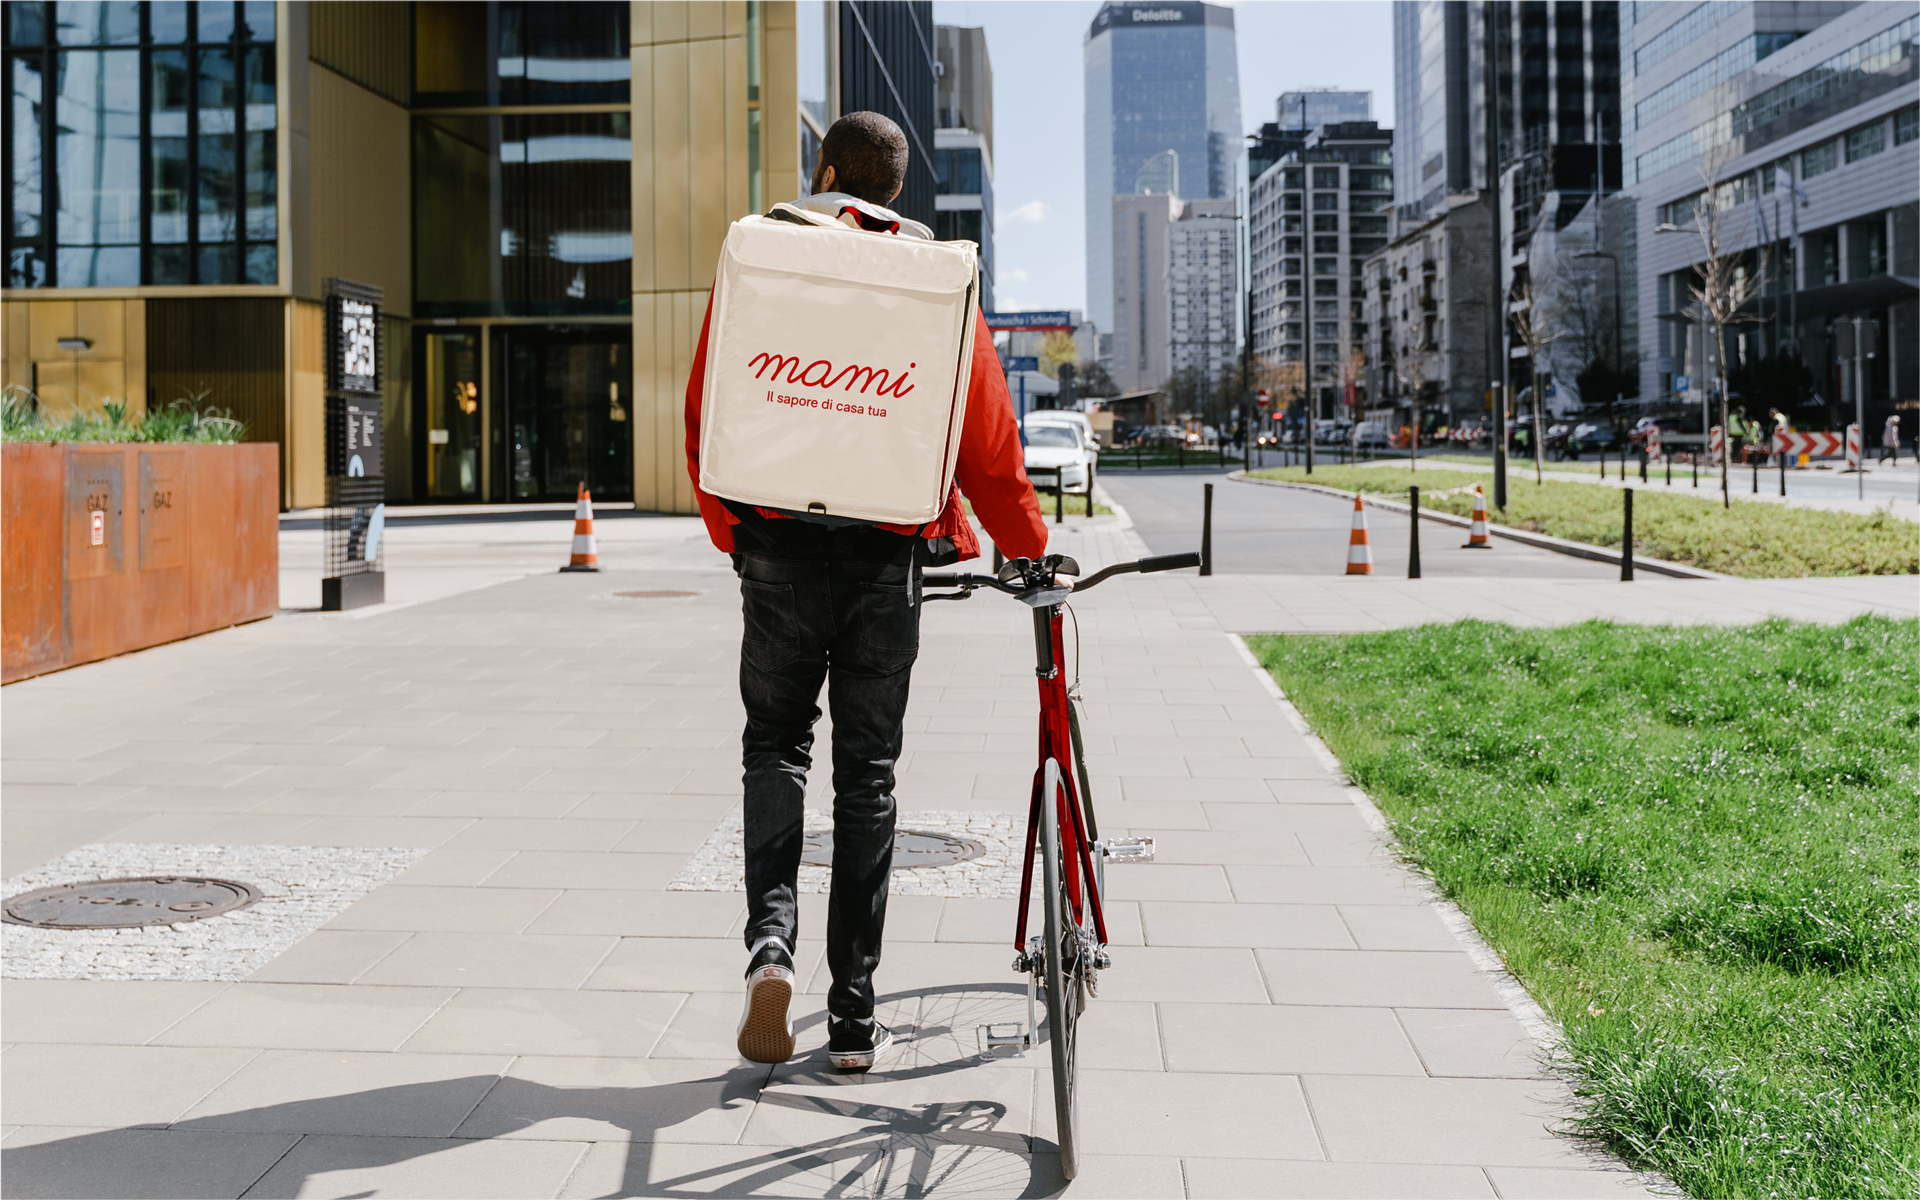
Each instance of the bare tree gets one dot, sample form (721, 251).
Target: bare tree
(1724, 283)
(1413, 370)
(1537, 321)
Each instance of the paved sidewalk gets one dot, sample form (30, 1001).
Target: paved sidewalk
(530, 1009)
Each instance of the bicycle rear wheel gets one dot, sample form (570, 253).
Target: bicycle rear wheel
(1064, 966)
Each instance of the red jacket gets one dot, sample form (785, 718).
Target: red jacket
(991, 471)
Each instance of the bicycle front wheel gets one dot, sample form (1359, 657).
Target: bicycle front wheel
(1064, 968)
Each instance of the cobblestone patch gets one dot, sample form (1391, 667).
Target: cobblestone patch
(720, 863)
(301, 888)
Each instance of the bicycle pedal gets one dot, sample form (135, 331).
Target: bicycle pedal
(992, 1043)
(1128, 850)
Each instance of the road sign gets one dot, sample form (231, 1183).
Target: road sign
(1682, 383)
(1263, 397)
(1021, 362)
(1052, 319)
(1813, 445)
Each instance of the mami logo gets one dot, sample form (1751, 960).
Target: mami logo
(771, 365)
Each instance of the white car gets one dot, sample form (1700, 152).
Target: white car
(1053, 441)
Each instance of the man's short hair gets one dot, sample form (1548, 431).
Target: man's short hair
(868, 154)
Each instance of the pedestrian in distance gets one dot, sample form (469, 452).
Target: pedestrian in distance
(1890, 440)
(835, 602)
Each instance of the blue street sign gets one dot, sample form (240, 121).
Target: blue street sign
(1682, 383)
(1030, 320)
(1021, 362)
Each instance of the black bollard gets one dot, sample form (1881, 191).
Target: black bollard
(1668, 459)
(1755, 464)
(1626, 536)
(1206, 532)
(1413, 546)
(1183, 453)
(1059, 495)
(1643, 466)
(1783, 472)
(1090, 470)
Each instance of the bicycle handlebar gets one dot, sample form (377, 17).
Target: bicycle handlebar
(968, 582)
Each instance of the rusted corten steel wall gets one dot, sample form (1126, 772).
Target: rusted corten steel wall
(185, 540)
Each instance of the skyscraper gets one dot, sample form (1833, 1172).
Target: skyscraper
(1159, 77)
(963, 145)
(1307, 110)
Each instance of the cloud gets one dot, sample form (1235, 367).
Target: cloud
(1031, 213)
(1016, 275)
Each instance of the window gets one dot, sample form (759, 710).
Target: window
(1326, 177)
(1326, 224)
(1326, 266)
(1326, 329)
(1368, 224)
(1326, 287)
(1290, 224)
(1291, 203)
(1290, 245)
(1368, 245)
(1290, 266)
(1326, 244)
(1866, 141)
(481, 55)
(1290, 330)
(957, 225)
(1293, 285)
(1326, 202)
(1370, 181)
(1326, 352)
(1818, 160)
(82, 134)
(1906, 126)
(1293, 178)
(1324, 309)
(957, 172)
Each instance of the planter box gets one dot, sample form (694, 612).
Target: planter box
(111, 548)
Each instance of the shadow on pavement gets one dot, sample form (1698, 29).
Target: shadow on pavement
(942, 1147)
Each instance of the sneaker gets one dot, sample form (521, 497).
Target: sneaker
(852, 1045)
(766, 1028)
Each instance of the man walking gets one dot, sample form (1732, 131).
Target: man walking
(839, 604)
(1890, 440)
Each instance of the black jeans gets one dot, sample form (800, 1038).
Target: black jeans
(836, 606)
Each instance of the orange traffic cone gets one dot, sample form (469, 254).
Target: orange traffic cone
(1477, 538)
(585, 557)
(1359, 550)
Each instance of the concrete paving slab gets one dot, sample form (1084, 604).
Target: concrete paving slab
(111, 1086)
(595, 1099)
(427, 1168)
(1285, 1040)
(100, 1011)
(1303, 926)
(453, 868)
(317, 1092)
(307, 1016)
(446, 909)
(330, 956)
(1479, 1122)
(685, 964)
(1255, 1179)
(1397, 927)
(804, 1103)
(1179, 973)
(1193, 1115)
(1386, 978)
(636, 914)
(492, 960)
(586, 869)
(547, 1021)
(138, 1164)
(1472, 1043)
(1546, 1183)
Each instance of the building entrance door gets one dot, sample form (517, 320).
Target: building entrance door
(566, 409)
(447, 452)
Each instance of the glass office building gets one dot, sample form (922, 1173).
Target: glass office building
(540, 189)
(1159, 77)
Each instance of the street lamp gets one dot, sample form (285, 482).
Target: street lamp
(1617, 344)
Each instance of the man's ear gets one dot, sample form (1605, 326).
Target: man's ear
(896, 192)
(823, 181)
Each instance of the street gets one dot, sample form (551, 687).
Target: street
(1281, 531)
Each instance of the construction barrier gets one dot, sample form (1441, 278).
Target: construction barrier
(585, 555)
(1808, 445)
(1716, 444)
(1853, 447)
(1359, 550)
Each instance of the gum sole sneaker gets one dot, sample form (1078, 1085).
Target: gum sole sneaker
(766, 1029)
(854, 1045)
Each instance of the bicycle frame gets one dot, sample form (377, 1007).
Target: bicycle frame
(1056, 743)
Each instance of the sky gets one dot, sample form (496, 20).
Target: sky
(1038, 102)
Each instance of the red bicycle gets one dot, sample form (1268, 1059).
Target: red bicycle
(1061, 960)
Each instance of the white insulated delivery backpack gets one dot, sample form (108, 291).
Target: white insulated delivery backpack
(838, 362)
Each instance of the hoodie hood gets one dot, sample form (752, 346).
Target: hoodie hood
(829, 204)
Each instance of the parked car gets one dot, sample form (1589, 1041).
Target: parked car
(1599, 438)
(1055, 442)
(1373, 433)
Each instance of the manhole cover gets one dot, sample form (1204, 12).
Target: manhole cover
(655, 595)
(123, 903)
(911, 848)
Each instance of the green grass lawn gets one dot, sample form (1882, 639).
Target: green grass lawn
(1699, 850)
(1750, 540)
